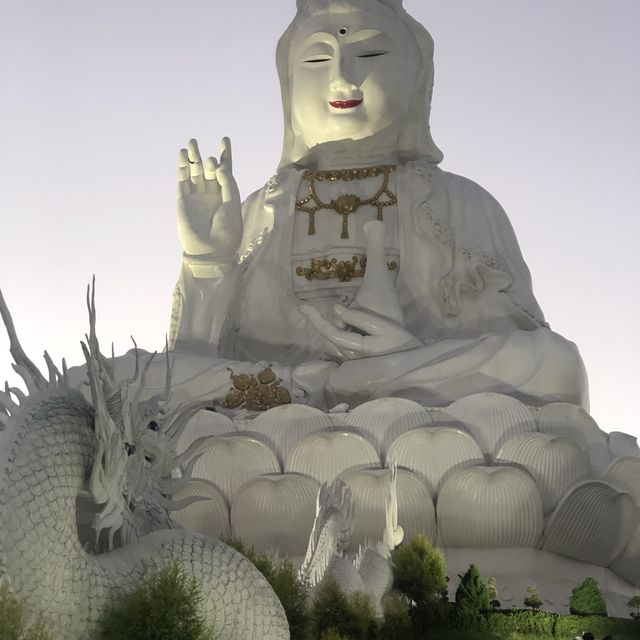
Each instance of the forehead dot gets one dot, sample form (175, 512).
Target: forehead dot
(343, 31)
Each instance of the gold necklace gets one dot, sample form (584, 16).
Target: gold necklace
(346, 204)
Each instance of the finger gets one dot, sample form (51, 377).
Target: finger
(339, 337)
(361, 320)
(195, 164)
(210, 169)
(226, 158)
(184, 173)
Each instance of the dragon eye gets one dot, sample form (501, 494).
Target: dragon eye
(153, 426)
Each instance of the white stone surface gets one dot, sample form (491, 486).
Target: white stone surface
(492, 418)
(325, 456)
(435, 453)
(593, 523)
(369, 487)
(275, 512)
(490, 507)
(228, 462)
(555, 463)
(210, 516)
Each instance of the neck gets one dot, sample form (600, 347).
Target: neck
(346, 154)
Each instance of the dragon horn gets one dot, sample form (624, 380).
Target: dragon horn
(28, 371)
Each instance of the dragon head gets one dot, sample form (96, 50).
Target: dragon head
(136, 469)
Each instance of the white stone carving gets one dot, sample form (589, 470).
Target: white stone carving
(492, 418)
(275, 512)
(435, 453)
(228, 462)
(592, 523)
(490, 507)
(325, 456)
(556, 464)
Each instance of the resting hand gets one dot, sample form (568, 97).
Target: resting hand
(381, 335)
(209, 207)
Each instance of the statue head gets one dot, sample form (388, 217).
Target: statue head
(357, 70)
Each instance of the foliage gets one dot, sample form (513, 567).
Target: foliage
(397, 620)
(634, 603)
(15, 623)
(472, 593)
(351, 616)
(528, 622)
(283, 579)
(600, 626)
(164, 606)
(533, 599)
(587, 600)
(419, 570)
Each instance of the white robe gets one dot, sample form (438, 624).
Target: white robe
(463, 285)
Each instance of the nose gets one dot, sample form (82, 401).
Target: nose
(341, 81)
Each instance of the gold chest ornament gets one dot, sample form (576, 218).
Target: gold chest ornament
(346, 204)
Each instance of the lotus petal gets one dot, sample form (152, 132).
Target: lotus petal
(283, 426)
(276, 512)
(573, 422)
(324, 456)
(382, 421)
(556, 463)
(209, 517)
(627, 564)
(230, 461)
(370, 488)
(490, 507)
(204, 423)
(625, 473)
(433, 453)
(593, 523)
(492, 418)
(623, 445)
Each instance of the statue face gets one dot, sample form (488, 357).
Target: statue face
(352, 75)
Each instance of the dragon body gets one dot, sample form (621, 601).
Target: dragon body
(53, 443)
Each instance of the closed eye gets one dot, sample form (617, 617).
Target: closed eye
(318, 59)
(373, 54)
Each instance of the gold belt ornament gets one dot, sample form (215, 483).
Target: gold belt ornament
(346, 204)
(256, 393)
(343, 270)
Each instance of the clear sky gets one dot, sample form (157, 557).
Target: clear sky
(537, 100)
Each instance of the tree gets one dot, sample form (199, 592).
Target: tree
(165, 606)
(533, 599)
(419, 570)
(492, 590)
(635, 602)
(472, 594)
(587, 600)
(336, 614)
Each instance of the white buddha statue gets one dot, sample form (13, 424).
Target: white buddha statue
(432, 302)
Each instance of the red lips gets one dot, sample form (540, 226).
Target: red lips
(345, 104)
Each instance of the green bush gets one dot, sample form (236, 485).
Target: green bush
(472, 591)
(164, 606)
(419, 570)
(533, 599)
(587, 600)
(283, 579)
(571, 626)
(351, 616)
(15, 623)
(507, 623)
(396, 619)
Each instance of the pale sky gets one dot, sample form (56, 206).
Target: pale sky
(537, 100)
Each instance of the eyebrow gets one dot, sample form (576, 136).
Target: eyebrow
(364, 34)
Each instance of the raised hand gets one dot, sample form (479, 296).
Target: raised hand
(209, 207)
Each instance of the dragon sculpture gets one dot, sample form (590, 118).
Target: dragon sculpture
(370, 571)
(55, 444)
